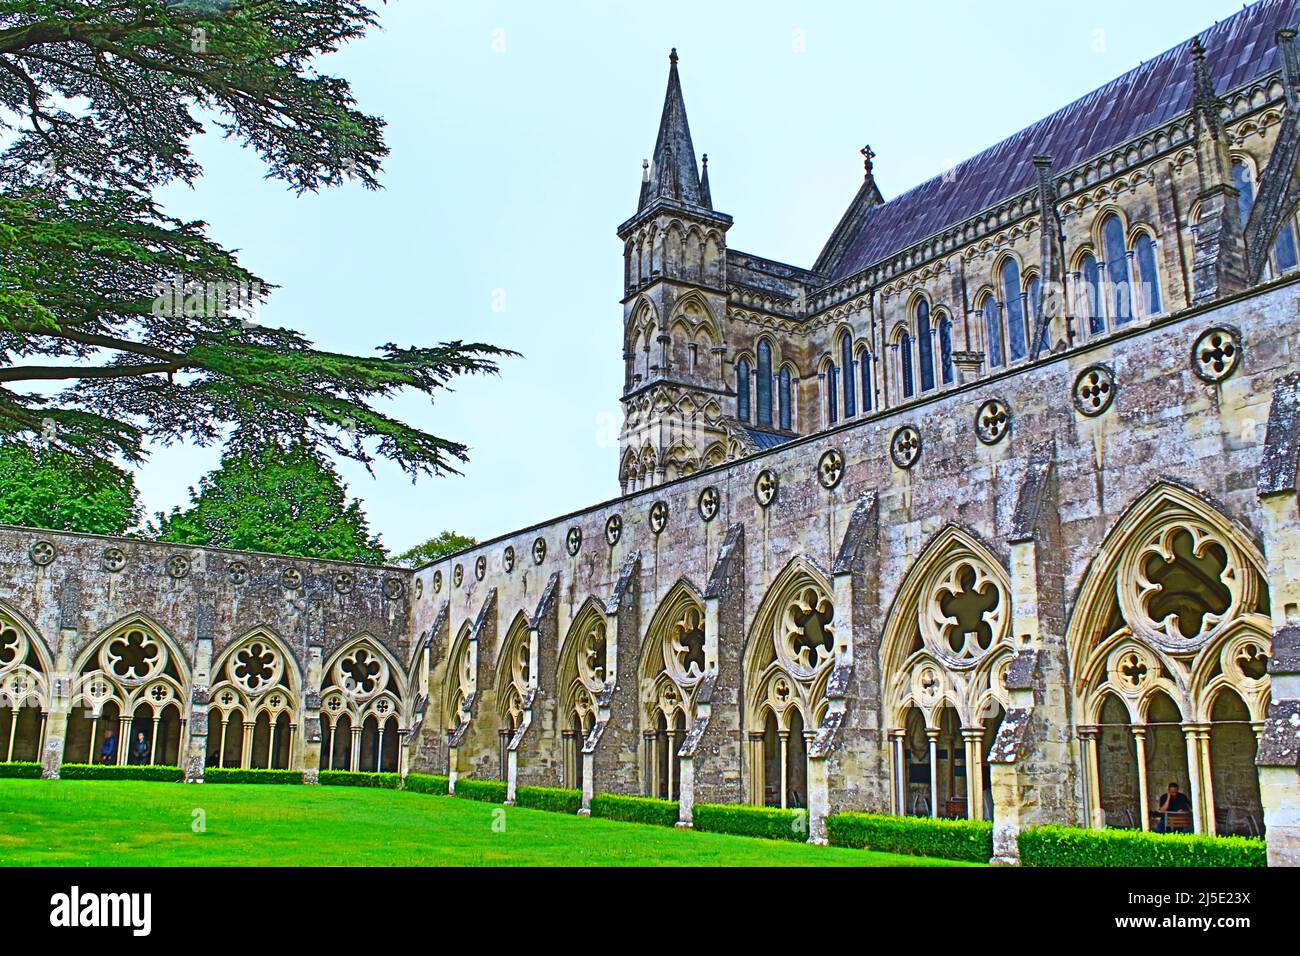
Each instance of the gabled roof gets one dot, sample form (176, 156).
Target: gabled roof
(1237, 50)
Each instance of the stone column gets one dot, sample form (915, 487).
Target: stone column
(1144, 799)
(932, 734)
(306, 755)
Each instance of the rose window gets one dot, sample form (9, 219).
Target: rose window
(256, 667)
(362, 673)
(1183, 587)
(133, 656)
(966, 603)
(591, 657)
(688, 644)
(807, 638)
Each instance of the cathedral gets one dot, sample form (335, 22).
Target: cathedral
(989, 512)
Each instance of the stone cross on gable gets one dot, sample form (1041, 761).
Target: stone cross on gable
(868, 154)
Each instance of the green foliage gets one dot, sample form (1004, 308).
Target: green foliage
(349, 778)
(770, 823)
(1073, 846)
(94, 771)
(449, 542)
(919, 836)
(235, 775)
(20, 769)
(489, 791)
(148, 323)
(47, 488)
(554, 799)
(426, 783)
(282, 500)
(613, 806)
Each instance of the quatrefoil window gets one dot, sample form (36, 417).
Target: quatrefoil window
(480, 567)
(765, 487)
(539, 551)
(508, 559)
(1184, 589)
(42, 553)
(830, 468)
(905, 446)
(709, 503)
(807, 632)
(1094, 390)
(238, 573)
(1216, 354)
(573, 541)
(992, 421)
(1252, 661)
(1133, 670)
(658, 516)
(613, 530)
(178, 566)
(114, 559)
(457, 575)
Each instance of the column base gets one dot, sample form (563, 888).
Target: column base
(584, 811)
(819, 841)
(684, 825)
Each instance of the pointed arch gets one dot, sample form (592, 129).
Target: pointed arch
(515, 674)
(674, 659)
(25, 675)
(1171, 615)
(790, 650)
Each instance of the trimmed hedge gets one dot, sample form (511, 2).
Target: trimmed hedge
(426, 783)
(489, 791)
(235, 775)
(24, 769)
(554, 799)
(769, 823)
(613, 806)
(1073, 846)
(917, 836)
(351, 778)
(94, 771)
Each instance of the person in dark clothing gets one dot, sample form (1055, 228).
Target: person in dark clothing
(1172, 801)
(108, 752)
(140, 749)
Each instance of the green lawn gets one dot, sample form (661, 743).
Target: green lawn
(119, 823)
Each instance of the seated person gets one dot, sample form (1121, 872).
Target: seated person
(1172, 801)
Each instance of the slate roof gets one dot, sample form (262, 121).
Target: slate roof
(1237, 50)
(765, 439)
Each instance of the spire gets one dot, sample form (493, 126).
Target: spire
(706, 198)
(673, 169)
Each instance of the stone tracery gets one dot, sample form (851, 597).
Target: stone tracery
(1171, 637)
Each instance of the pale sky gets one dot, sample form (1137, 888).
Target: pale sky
(517, 132)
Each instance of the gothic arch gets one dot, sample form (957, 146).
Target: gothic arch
(365, 712)
(582, 678)
(945, 651)
(673, 662)
(1169, 643)
(257, 683)
(25, 669)
(515, 675)
(131, 680)
(790, 651)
